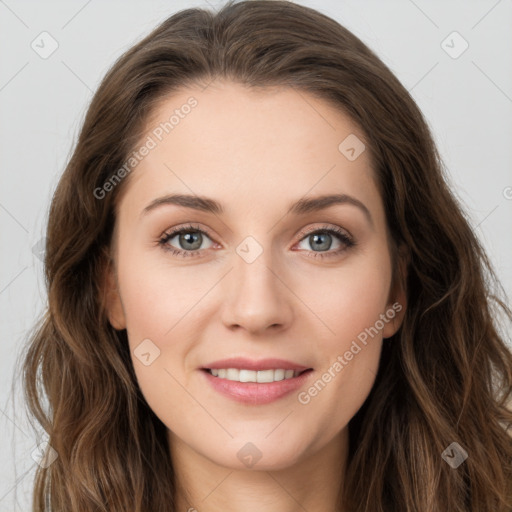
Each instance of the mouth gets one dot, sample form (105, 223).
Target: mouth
(256, 387)
(255, 381)
(265, 376)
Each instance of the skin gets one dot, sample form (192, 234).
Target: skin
(256, 152)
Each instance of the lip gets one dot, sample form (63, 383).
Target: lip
(256, 393)
(243, 363)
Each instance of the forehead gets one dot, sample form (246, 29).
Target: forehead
(251, 147)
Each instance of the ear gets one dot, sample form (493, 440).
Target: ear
(397, 300)
(111, 296)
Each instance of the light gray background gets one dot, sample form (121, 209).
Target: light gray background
(466, 100)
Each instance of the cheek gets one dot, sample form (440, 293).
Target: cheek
(157, 302)
(340, 388)
(351, 298)
(156, 296)
(351, 305)
(349, 364)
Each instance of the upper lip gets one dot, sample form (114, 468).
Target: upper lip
(250, 364)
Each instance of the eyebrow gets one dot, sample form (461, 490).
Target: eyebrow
(301, 207)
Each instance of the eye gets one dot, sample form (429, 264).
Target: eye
(320, 239)
(189, 237)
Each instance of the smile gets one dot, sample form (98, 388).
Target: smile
(261, 376)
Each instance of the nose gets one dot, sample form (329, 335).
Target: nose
(257, 298)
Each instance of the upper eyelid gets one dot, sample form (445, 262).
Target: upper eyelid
(326, 227)
(172, 232)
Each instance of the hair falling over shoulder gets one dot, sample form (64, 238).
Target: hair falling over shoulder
(445, 376)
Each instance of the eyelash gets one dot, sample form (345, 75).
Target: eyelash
(338, 233)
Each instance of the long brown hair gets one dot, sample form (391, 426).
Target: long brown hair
(444, 377)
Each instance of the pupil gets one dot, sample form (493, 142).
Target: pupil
(188, 238)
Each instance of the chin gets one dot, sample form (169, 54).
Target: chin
(263, 455)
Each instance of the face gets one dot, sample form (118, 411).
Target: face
(258, 279)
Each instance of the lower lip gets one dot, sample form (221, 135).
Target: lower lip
(256, 393)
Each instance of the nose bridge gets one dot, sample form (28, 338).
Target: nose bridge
(258, 299)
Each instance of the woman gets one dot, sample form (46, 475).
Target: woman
(330, 339)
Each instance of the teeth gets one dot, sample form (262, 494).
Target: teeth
(254, 376)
